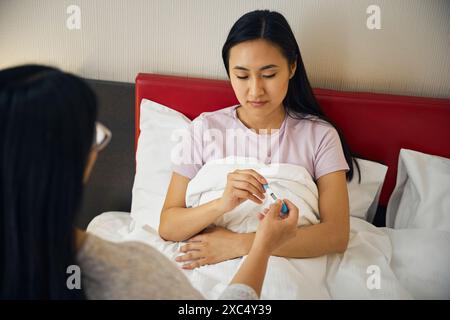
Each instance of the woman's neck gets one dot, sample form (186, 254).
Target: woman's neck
(269, 122)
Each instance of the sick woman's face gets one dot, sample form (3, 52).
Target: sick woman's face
(259, 76)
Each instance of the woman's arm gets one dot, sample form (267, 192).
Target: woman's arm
(179, 223)
(272, 232)
(330, 236)
(253, 271)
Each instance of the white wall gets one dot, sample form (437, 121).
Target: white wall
(410, 55)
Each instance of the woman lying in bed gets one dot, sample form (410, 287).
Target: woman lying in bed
(47, 130)
(263, 62)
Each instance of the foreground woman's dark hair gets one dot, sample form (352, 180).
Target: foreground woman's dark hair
(47, 120)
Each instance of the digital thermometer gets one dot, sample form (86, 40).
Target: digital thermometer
(273, 197)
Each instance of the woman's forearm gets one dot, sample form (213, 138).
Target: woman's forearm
(310, 241)
(253, 270)
(179, 224)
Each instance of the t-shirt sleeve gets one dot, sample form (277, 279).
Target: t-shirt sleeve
(187, 155)
(329, 156)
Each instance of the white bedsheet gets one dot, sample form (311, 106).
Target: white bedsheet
(411, 263)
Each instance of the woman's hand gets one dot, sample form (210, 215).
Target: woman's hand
(275, 230)
(212, 246)
(241, 185)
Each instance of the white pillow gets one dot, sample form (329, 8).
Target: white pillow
(421, 261)
(421, 197)
(153, 163)
(363, 198)
(154, 168)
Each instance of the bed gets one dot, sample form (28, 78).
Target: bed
(394, 262)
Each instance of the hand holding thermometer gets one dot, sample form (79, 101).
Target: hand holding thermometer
(284, 208)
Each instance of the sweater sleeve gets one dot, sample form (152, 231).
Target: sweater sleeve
(130, 270)
(238, 291)
(134, 270)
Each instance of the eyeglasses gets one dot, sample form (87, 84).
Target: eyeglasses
(102, 137)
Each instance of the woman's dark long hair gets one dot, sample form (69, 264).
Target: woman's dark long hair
(47, 120)
(300, 101)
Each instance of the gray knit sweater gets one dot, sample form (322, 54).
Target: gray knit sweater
(133, 270)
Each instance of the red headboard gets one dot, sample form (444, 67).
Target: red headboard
(376, 126)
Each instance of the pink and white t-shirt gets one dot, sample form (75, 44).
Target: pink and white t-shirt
(313, 144)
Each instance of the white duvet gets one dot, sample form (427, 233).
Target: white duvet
(416, 260)
(286, 181)
(379, 263)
